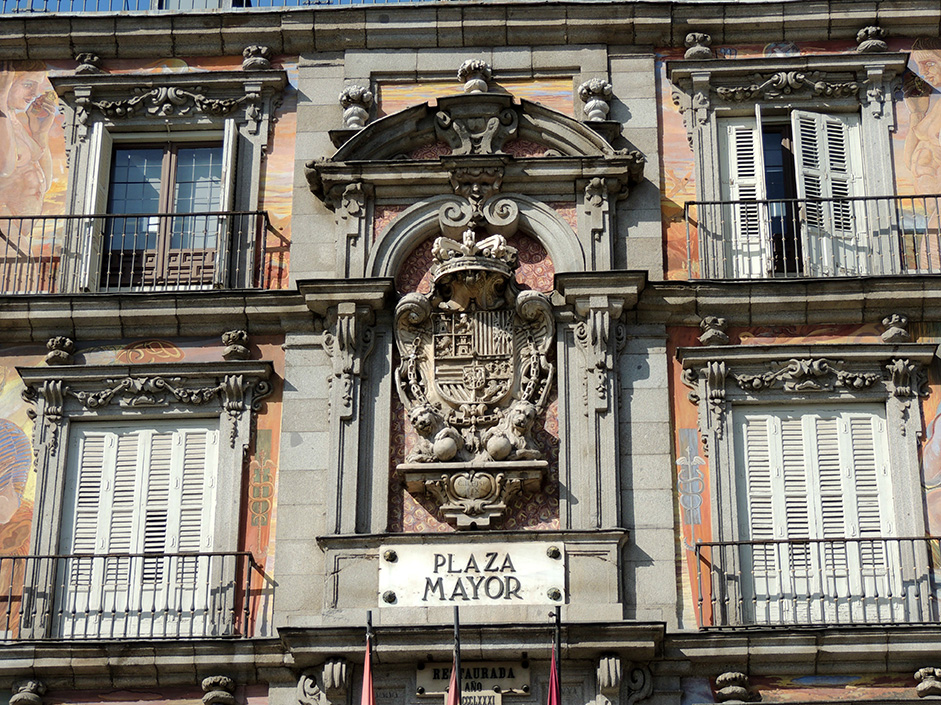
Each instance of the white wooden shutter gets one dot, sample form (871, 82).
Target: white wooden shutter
(745, 231)
(230, 142)
(98, 184)
(826, 154)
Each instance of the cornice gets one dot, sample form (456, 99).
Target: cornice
(25, 319)
(791, 302)
(318, 29)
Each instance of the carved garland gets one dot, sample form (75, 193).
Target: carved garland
(236, 393)
(784, 83)
(903, 379)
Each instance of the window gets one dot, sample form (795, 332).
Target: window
(168, 204)
(794, 171)
(815, 482)
(153, 171)
(141, 478)
(140, 495)
(802, 169)
(817, 473)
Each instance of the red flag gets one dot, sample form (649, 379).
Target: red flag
(454, 691)
(368, 697)
(555, 689)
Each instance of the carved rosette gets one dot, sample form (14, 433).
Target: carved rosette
(475, 374)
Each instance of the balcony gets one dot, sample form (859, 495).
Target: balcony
(824, 237)
(133, 596)
(55, 254)
(816, 582)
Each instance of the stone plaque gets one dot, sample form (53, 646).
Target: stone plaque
(480, 679)
(530, 573)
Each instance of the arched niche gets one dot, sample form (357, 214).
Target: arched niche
(421, 221)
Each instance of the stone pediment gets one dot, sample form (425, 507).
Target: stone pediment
(473, 123)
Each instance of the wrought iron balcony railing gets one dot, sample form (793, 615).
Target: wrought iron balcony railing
(133, 596)
(55, 254)
(808, 582)
(813, 237)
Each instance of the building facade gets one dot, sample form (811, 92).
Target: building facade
(320, 316)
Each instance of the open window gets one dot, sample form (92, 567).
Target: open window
(794, 170)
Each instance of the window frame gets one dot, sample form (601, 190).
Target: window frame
(726, 378)
(706, 92)
(229, 392)
(237, 104)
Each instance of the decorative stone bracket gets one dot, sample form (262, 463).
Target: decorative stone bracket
(638, 685)
(328, 684)
(733, 687)
(29, 691)
(599, 333)
(219, 690)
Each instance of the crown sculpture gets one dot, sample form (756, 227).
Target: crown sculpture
(475, 377)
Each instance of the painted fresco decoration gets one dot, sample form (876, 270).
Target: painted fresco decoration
(474, 375)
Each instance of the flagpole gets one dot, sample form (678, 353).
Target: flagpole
(558, 645)
(368, 696)
(457, 650)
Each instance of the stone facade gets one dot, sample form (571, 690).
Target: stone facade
(482, 313)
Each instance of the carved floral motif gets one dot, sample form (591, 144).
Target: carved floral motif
(806, 375)
(784, 83)
(475, 73)
(355, 101)
(596, 94)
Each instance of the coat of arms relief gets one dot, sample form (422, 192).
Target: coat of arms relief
(475, 375)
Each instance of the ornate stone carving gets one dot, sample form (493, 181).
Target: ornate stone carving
(599, 196)
(871, 40)
(907, 379)
(784, 83)
(734, 687)
(596, 93)
(810, 375)
(46, 401)
(477, 183)
(163, 102)
(929, 682)
(474, 377)
(896, 329)
(715, 374)
(598, 335)
(348, 341)
(88, 63)
(609, 676)
(475, 73)
(236, 345)
(355, 101)
(28, 691)
(256, 57)
(477, 129)
(639, 683)
(61, 350)
(328, 684)
(698, 45)
(218, 690)
(713, 331)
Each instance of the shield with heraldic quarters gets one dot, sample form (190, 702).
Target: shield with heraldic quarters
(473, 357)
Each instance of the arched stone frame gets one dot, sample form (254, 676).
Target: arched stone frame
(421, 221)
(728, 378)
(228, 391)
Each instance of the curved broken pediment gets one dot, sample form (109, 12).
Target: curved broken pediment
(473, 124)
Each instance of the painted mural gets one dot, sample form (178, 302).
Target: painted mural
(781, 689)
(916, 141)
(33, 178)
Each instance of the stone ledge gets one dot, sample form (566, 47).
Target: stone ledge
(63, 665)
(333, 28)
(168, 314)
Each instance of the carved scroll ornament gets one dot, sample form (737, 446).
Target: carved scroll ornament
(811, 375)
(784, 83)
